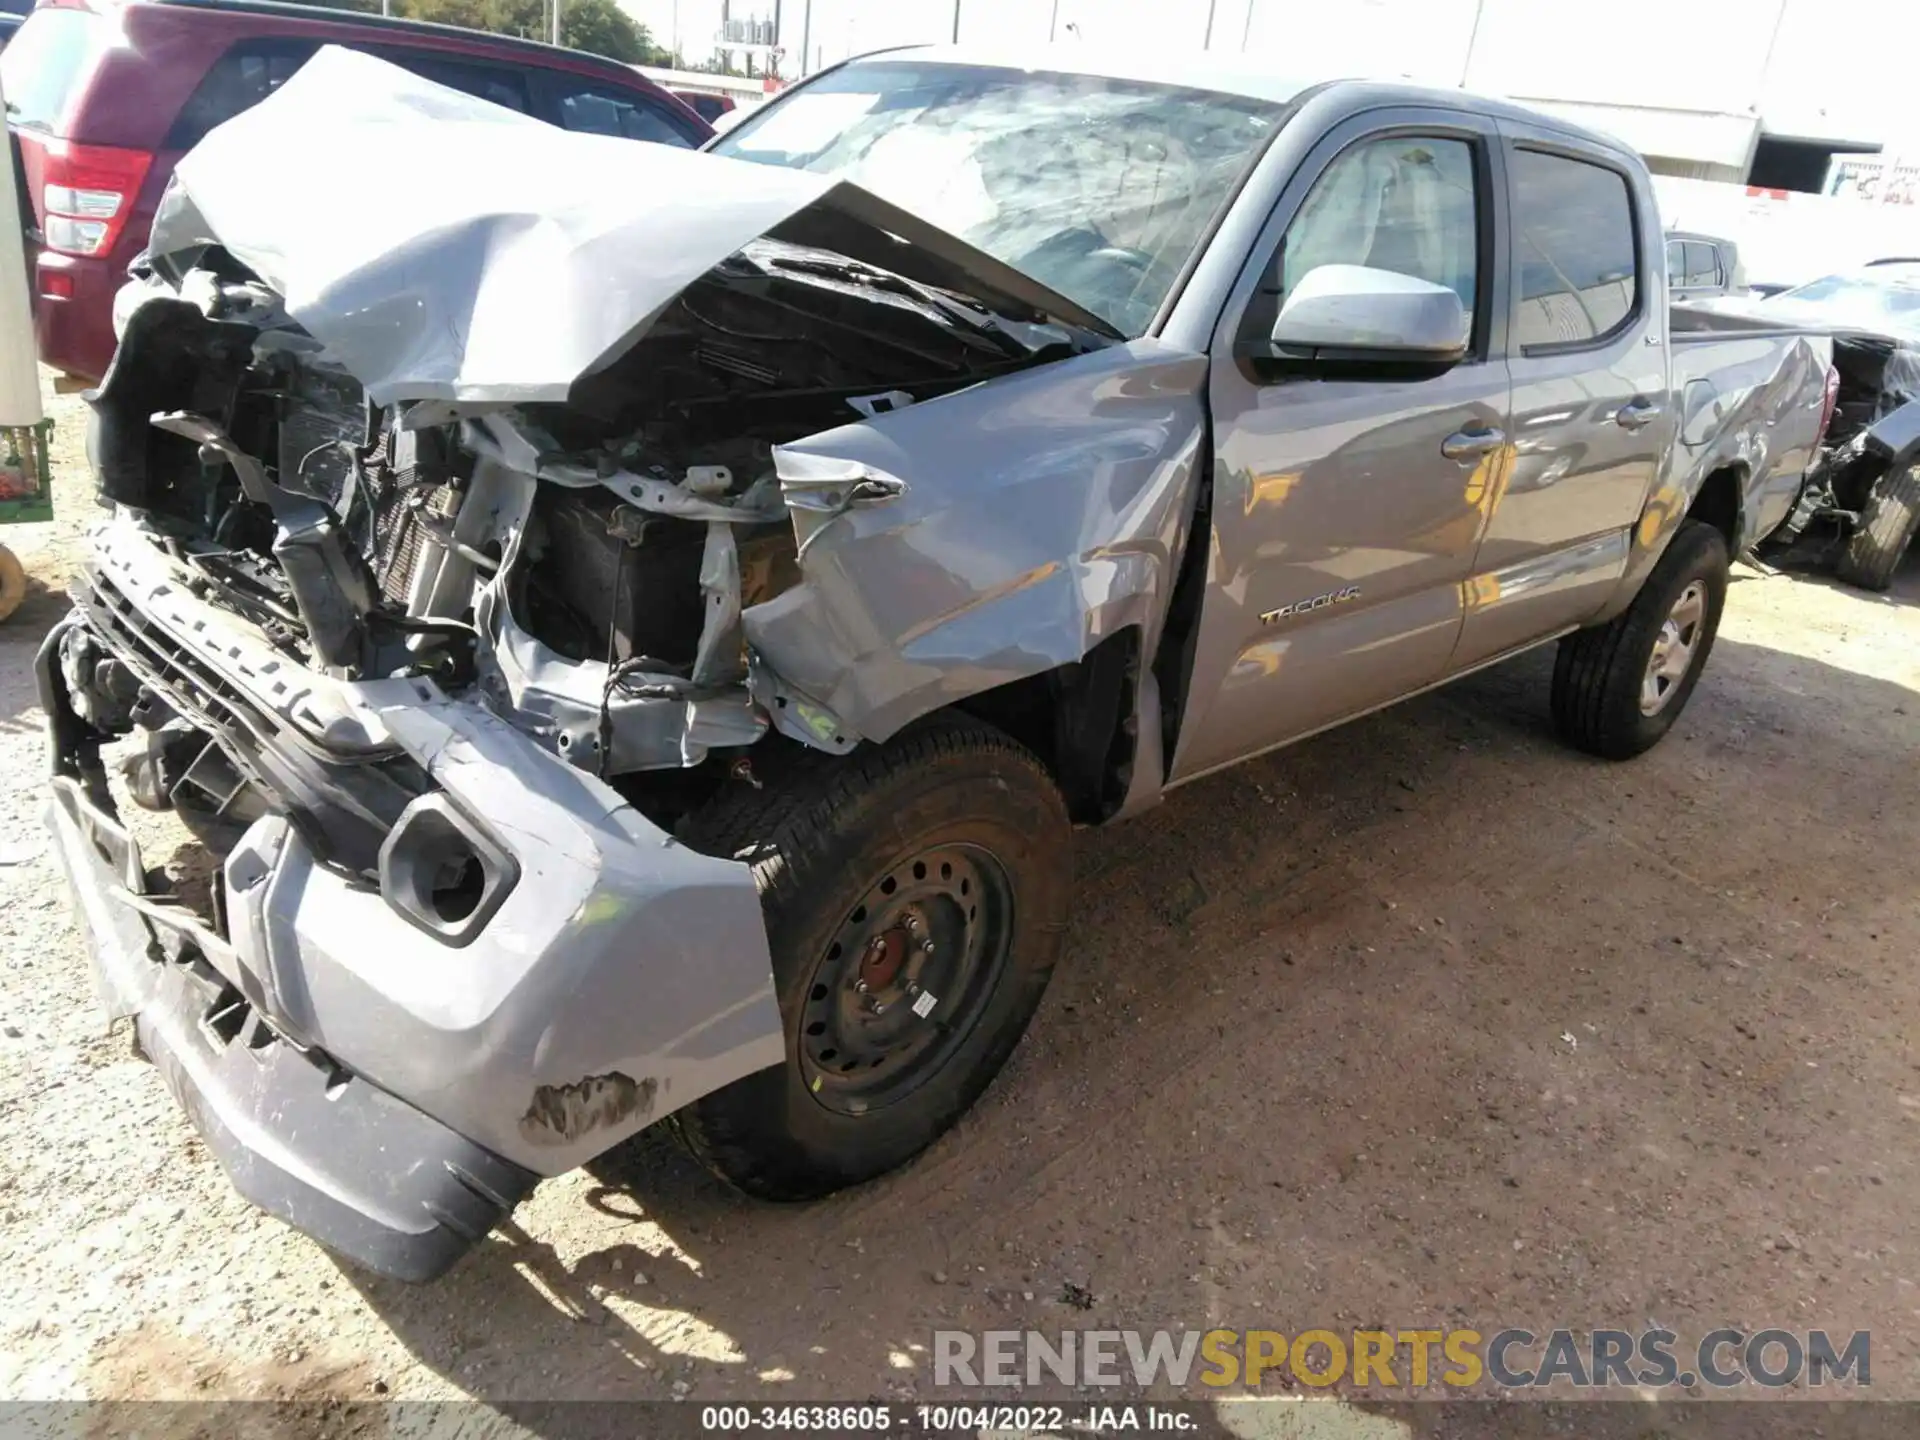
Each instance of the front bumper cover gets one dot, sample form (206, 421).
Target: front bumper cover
(361, 1172)
(389, 1090)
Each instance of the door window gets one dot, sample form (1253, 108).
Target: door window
(237, 81)
(1410, 204)
(494, 83)
(607, 112)
(1405, 203)
(1574, 230)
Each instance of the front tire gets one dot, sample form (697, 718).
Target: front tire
(1618, 687)
(1888, 522)
(915, 897)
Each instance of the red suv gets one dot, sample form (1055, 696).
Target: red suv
(103, 98)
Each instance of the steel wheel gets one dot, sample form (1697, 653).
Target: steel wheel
(1674, 648)
(905, 978)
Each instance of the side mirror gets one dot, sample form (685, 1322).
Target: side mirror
(1357, 313)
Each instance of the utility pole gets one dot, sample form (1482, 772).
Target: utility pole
(1053, 25)
(806, 38)
(1246, 29)
(956, 22)
(1473, 38)
(1207, 44)
(556, 21)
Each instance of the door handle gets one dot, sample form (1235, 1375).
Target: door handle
(1636, 414)
(1472, 444)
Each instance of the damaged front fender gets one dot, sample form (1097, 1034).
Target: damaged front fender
(981, 538)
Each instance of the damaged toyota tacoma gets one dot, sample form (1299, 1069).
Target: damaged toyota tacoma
(635, 629)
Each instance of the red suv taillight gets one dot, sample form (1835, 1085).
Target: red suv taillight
(86, 194)
(1827, 406)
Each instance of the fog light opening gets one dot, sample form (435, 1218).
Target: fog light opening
(457, 888)
(443, 872)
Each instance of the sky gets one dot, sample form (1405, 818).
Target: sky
(1810, 66)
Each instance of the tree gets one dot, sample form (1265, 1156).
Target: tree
(598, 26)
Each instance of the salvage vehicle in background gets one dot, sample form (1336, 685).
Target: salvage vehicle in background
(655, 676)
(1861, 497)
(105, 95)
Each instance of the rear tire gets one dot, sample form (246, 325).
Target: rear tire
(929, 874)
(1618, 687)
(1887, 524)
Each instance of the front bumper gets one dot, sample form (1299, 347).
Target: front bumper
(388, 1090)
(363, 1173)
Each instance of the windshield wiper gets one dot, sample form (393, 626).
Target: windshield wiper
(981, 322)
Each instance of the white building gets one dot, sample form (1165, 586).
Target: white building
(1764, 91)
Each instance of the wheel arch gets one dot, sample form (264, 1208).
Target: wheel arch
(1094, 725)
(1721, 501)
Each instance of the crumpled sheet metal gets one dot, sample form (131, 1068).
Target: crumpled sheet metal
(1035, 516)
(605, 722)
(442, 247)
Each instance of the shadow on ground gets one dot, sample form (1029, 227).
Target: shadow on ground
(1426, 1021)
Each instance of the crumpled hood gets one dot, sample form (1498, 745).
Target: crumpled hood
(442, 247)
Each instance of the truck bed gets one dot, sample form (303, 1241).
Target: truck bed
(1748, 392)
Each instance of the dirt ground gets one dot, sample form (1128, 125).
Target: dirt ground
(1428, 1021)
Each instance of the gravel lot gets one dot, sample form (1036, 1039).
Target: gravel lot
(1426, 1021)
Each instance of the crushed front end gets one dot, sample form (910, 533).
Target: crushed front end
(429, 642)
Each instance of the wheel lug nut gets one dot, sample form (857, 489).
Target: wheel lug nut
(878, 1008)
(926, 947)
(860, 986)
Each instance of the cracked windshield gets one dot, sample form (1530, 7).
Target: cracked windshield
(1099, 188)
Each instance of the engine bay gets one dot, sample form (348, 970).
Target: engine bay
(579, 567)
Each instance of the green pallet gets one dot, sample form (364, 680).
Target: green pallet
(26, 473)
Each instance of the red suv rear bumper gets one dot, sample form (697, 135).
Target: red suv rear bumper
(73, 310)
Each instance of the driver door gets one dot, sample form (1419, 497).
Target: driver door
(1347, 504)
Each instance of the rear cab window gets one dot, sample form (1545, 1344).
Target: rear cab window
(46, 64)
(1574, 234)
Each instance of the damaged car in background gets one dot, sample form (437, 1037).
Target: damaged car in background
(641, 659)
(1860, 506)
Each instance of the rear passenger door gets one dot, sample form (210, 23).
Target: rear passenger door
(1591, 415)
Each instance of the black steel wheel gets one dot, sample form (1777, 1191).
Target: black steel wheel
(905, 978)
(915, 896)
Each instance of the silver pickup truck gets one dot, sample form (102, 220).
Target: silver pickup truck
(637, 628)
